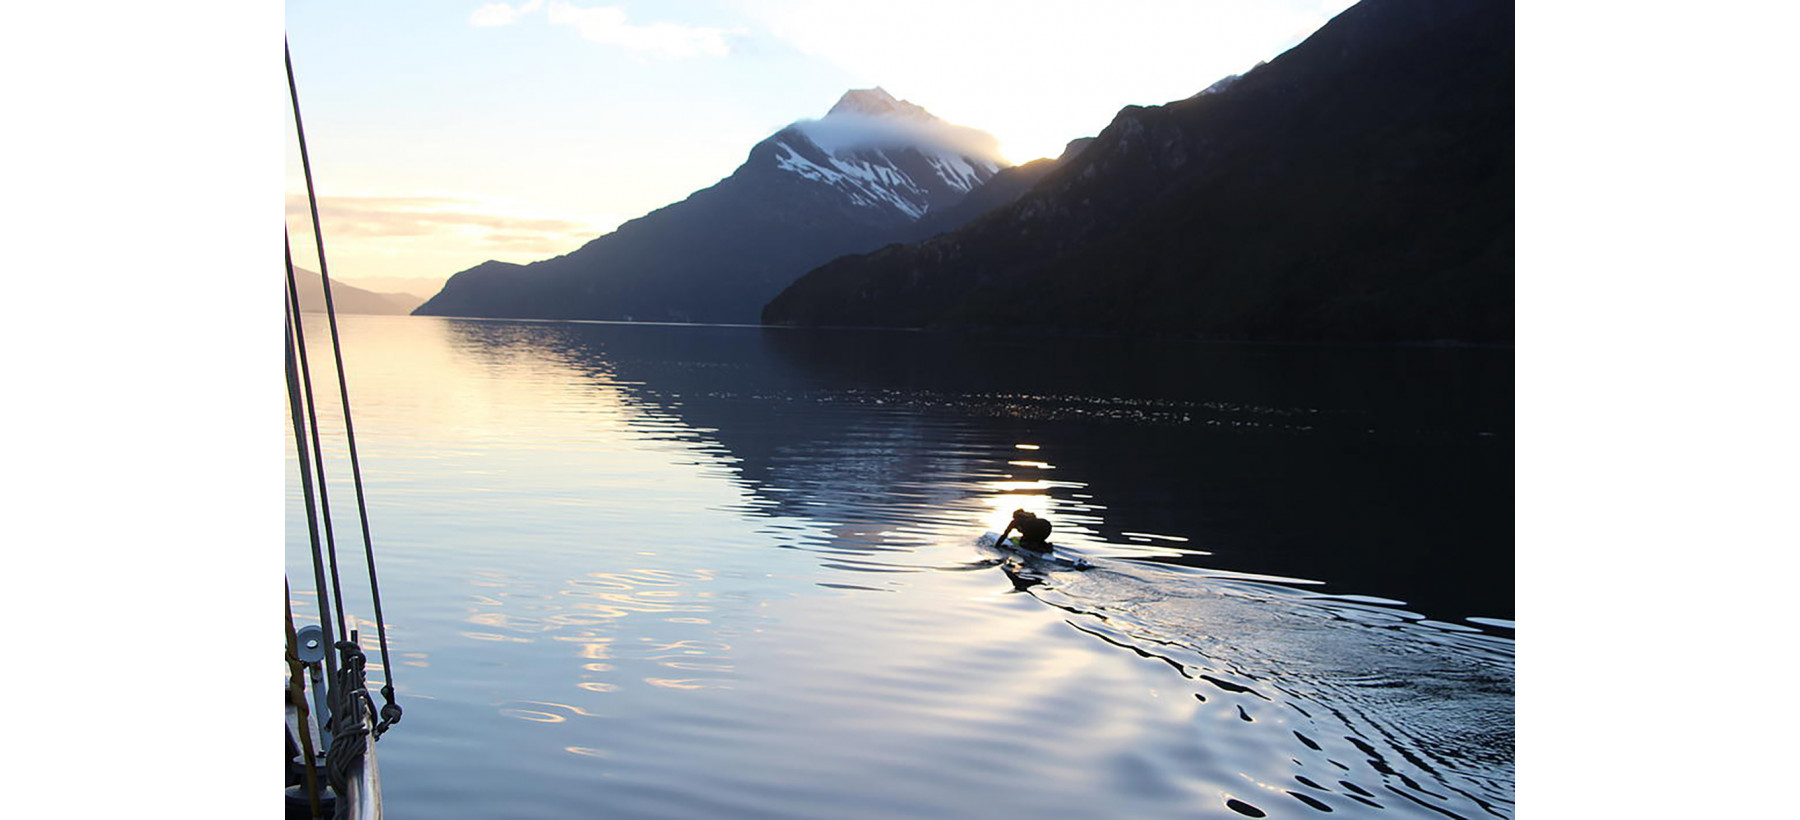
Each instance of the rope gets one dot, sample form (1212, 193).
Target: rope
(296, 413)
(390, 713)
(350, 705)
(297, 696)
(318, 451)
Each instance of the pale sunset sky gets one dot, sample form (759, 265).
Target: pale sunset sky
(443, 134)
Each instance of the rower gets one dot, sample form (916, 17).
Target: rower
(1034, 532)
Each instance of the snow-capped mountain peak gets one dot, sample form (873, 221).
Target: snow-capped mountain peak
(885, 153)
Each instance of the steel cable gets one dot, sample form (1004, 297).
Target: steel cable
(390, 713)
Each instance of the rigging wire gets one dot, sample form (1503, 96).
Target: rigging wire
(390, 713)
(298, 415)
(298, 342)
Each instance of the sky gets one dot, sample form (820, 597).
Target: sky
(444, 134)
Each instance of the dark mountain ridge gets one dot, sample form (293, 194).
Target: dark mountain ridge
(1355, 188)
(1004, 187)
(863, 176)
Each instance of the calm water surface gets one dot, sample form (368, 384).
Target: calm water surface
(677, 571)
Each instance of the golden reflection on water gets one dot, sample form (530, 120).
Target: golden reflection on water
(592, 646)
(469, 382)
(588, 610)
(511, 622)
(619, 594)
(1034, 496)
(1015, 495)
(493, 637)
(517, 709)
(483, 377)
(689, 683)
(1150, 536)
(533, 715)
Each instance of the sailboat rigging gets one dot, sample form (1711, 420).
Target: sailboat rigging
(330, 741)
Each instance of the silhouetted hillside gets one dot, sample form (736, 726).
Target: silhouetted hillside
(1357, 187)
(1003, 188)
(859, 178)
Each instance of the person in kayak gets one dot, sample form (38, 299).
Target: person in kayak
(1034, 532)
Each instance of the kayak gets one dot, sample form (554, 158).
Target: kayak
(1051, 558)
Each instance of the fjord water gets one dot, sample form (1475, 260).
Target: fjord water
(682, 571)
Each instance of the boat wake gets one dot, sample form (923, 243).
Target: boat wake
(1360, 703)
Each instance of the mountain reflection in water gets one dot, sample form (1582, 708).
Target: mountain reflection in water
(596, 529)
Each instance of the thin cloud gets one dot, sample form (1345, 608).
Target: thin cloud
(400, 218)
(850, 130)
(608, 25)
(501, 14)
(525, 243)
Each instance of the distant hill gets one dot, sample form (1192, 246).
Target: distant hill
(407, 285)
(1357, 188)
(863, 176)
(348, 299)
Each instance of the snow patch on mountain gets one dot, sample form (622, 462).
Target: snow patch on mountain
(867, 184)
(887, 153)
